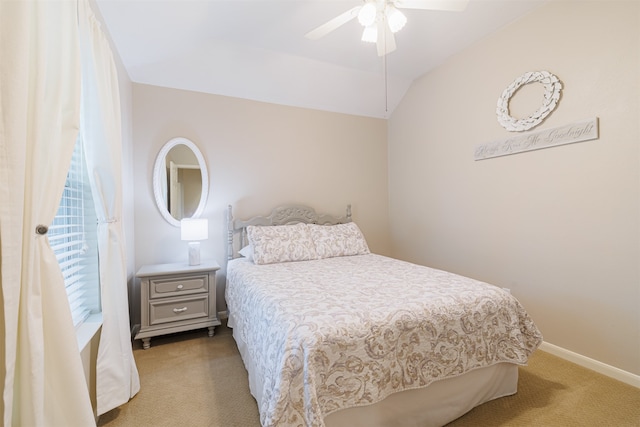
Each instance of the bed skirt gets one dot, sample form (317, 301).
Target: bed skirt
(435, 405)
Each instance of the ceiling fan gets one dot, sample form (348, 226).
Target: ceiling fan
(382, 18)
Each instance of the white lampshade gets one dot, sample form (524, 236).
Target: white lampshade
(395, 18)
(367, 14)
(194, 229)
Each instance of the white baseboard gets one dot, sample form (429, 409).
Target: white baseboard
(594, 365)
(222, 315)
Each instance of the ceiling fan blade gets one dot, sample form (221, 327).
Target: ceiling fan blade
(386, 42)
(445, 5)
(334, 23)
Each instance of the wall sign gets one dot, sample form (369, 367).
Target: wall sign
(552, 88)
(568, 134)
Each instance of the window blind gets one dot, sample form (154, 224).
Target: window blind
(73, 238)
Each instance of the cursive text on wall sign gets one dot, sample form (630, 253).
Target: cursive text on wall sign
(576, 132)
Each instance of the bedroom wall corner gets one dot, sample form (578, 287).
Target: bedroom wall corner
(559, 226)
(128, 167)
(126, 115)
(90, 351)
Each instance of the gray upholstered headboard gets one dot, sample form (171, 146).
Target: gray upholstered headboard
(281, 215)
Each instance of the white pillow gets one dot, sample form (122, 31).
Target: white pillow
(338, 240)
(247, 252)
(281, 243)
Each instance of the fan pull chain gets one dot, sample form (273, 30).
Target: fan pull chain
(386, 84)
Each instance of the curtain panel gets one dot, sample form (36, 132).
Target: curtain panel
(43, 45)
(44, 382)
(117, 377)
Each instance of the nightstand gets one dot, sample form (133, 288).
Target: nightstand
(175, 298)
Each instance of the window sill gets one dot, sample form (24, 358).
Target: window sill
(88, 330)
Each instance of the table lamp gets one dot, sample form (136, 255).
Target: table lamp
(193, 230)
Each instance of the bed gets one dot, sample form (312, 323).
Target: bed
(334, 335)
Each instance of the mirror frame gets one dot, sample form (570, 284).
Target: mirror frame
(157, 187)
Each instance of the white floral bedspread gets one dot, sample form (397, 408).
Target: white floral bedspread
(348, 331)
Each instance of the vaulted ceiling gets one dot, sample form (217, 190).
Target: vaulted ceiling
(257, 50)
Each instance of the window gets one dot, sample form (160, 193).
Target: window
(73, 237)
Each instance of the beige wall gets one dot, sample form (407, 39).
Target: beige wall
(259, 155)
(558, 226)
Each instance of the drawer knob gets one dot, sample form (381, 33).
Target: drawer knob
(180, 286)
(179, 310)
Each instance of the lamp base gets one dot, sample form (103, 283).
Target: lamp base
(194, 253)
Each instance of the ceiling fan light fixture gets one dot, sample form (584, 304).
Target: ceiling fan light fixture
(370, 34)
(395, 18)
(367, 14)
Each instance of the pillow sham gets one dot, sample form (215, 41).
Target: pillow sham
(281, 243)
(338, 240)
(247, 252)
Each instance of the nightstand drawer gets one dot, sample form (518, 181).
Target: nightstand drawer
(177, 297)
(174, 286)
(176, 309)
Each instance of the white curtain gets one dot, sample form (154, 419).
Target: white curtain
(43, 378)
(116, 373)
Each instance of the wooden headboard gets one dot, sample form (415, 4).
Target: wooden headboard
(281, 215)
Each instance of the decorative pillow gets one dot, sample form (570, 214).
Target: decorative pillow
(247, 252)
(281, 243)
(338, 240)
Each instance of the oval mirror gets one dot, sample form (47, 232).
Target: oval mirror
(180, 181)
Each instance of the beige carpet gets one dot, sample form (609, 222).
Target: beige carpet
(192, 380)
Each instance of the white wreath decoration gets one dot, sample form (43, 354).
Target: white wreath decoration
(552, 88)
